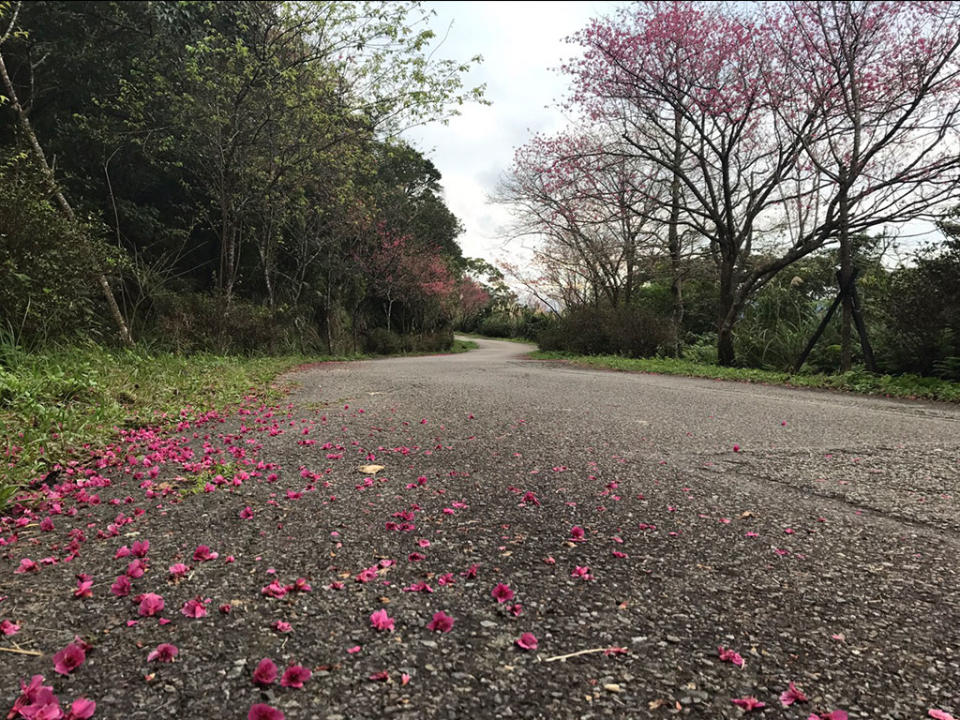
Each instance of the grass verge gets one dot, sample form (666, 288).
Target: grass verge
(859, 381)
(460, 346)
(52, 402)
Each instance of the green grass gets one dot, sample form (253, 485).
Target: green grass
(53, 402)
(859, 381)
(460, 346)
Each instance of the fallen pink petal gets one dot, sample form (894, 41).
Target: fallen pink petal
(81, 709)
(295, 676)
(69, 658)
(792, 695)
(381, 621)
(265, 672)
(502, 593)
(527, 641)
(441, 622)
(748, 703)
(164, 652)
(261, 711)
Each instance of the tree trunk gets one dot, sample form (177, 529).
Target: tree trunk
(846, 282)
(673, 240)
(228, 248)
(726, 315)
(61, 199)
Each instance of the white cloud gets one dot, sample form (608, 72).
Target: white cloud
(520, 42)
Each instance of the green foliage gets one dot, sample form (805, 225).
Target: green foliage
(242, 156)
(920, 332)
(54, 401)
(46, 261)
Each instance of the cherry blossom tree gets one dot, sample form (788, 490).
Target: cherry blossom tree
(690, 88)
(883, 79)
(590, 209)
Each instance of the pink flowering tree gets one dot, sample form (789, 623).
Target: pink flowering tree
(589, 209)
(780, 131)
(416, 277)
(883, 80)
(690, 88)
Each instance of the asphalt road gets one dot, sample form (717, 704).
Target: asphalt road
(850, 587)
(673, 545)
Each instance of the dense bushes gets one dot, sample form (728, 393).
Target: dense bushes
(597, 330)
(920, 332)
(381, 341)
(47, 263)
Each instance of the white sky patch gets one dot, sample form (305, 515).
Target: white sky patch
(520, 42)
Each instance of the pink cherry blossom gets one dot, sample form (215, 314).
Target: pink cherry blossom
(36, 694)
(282, 626)
(81, 709)
(441, 622)
(261, 711)
(502, 593)
(26, 565)
(295, 676)
(274, 590)
(527, 641)
(366, 575)
(140, 548)
(164, 652)
(381, 621)
(8, 627)
(203, 553)
(150, 604)
(748, 703)
(69, 659)
(791, 695)
(265, 673)
(246, 513)
(178, 570)
(121, 586)
(84, 589)
(730, 656)
(939, 715)
(136, 568)
(195, 608)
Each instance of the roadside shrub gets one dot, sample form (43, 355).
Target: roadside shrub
(437, 341)
(381, 341)
(638, 332)
(496, 325)
(47, 262)
(593, 330)
(186, 322)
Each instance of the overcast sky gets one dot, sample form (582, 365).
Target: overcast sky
(520, 42)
